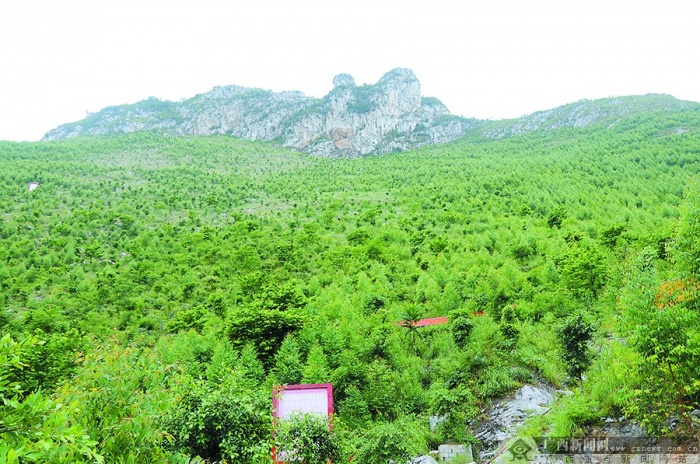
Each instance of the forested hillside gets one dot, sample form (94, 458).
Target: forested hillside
(154, 289)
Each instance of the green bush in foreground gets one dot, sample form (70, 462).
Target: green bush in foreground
(307, 439)
(33, 427)
(397, 441)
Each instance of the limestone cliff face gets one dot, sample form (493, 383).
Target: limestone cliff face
(350, 121)
(245, 113)
(388, 116)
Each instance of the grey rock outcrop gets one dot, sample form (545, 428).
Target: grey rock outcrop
(343, 79)
(353, 120)
(350, 121)
(386, 117)
(607, 112)
(424, 460)
(509, 413)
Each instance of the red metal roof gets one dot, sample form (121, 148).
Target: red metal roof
(429, 321)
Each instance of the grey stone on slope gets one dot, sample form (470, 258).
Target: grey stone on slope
(507, 414)
(424, 460)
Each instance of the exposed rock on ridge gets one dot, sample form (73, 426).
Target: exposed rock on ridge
(351, 120)
(607, 112)
(388, 116)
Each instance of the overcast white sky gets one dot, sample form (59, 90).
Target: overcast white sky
(486, 59)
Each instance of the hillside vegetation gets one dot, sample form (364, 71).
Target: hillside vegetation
(154, 289)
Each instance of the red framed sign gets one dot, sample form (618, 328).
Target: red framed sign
(314, 398)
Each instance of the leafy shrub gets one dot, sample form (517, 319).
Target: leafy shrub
(523, 251)
(613, 376)
(120, 392)
(264, 329)
(538, 350)
(391, 441)
(575, 333)
(556, 217)
(584, 269)
(456, 406)
(461, 329)
(373, 305)
(187, 319)
(288, 368)
(438, 245)
(51, 358)
(280, 297)
(572, 415)
(353, 409)
(306, 439)
(34, 428)
(496, 381)
(510, 335)
(610, 235)
(219, 422)
(358, 237)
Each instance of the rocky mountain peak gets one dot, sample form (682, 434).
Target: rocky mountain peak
(398, 75)
(401, 91)
(351, 120)
(388, 116)
(343, 80)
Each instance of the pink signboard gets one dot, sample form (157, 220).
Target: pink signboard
(308, 398)
(314, 398)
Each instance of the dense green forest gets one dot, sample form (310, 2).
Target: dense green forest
(154, 289)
